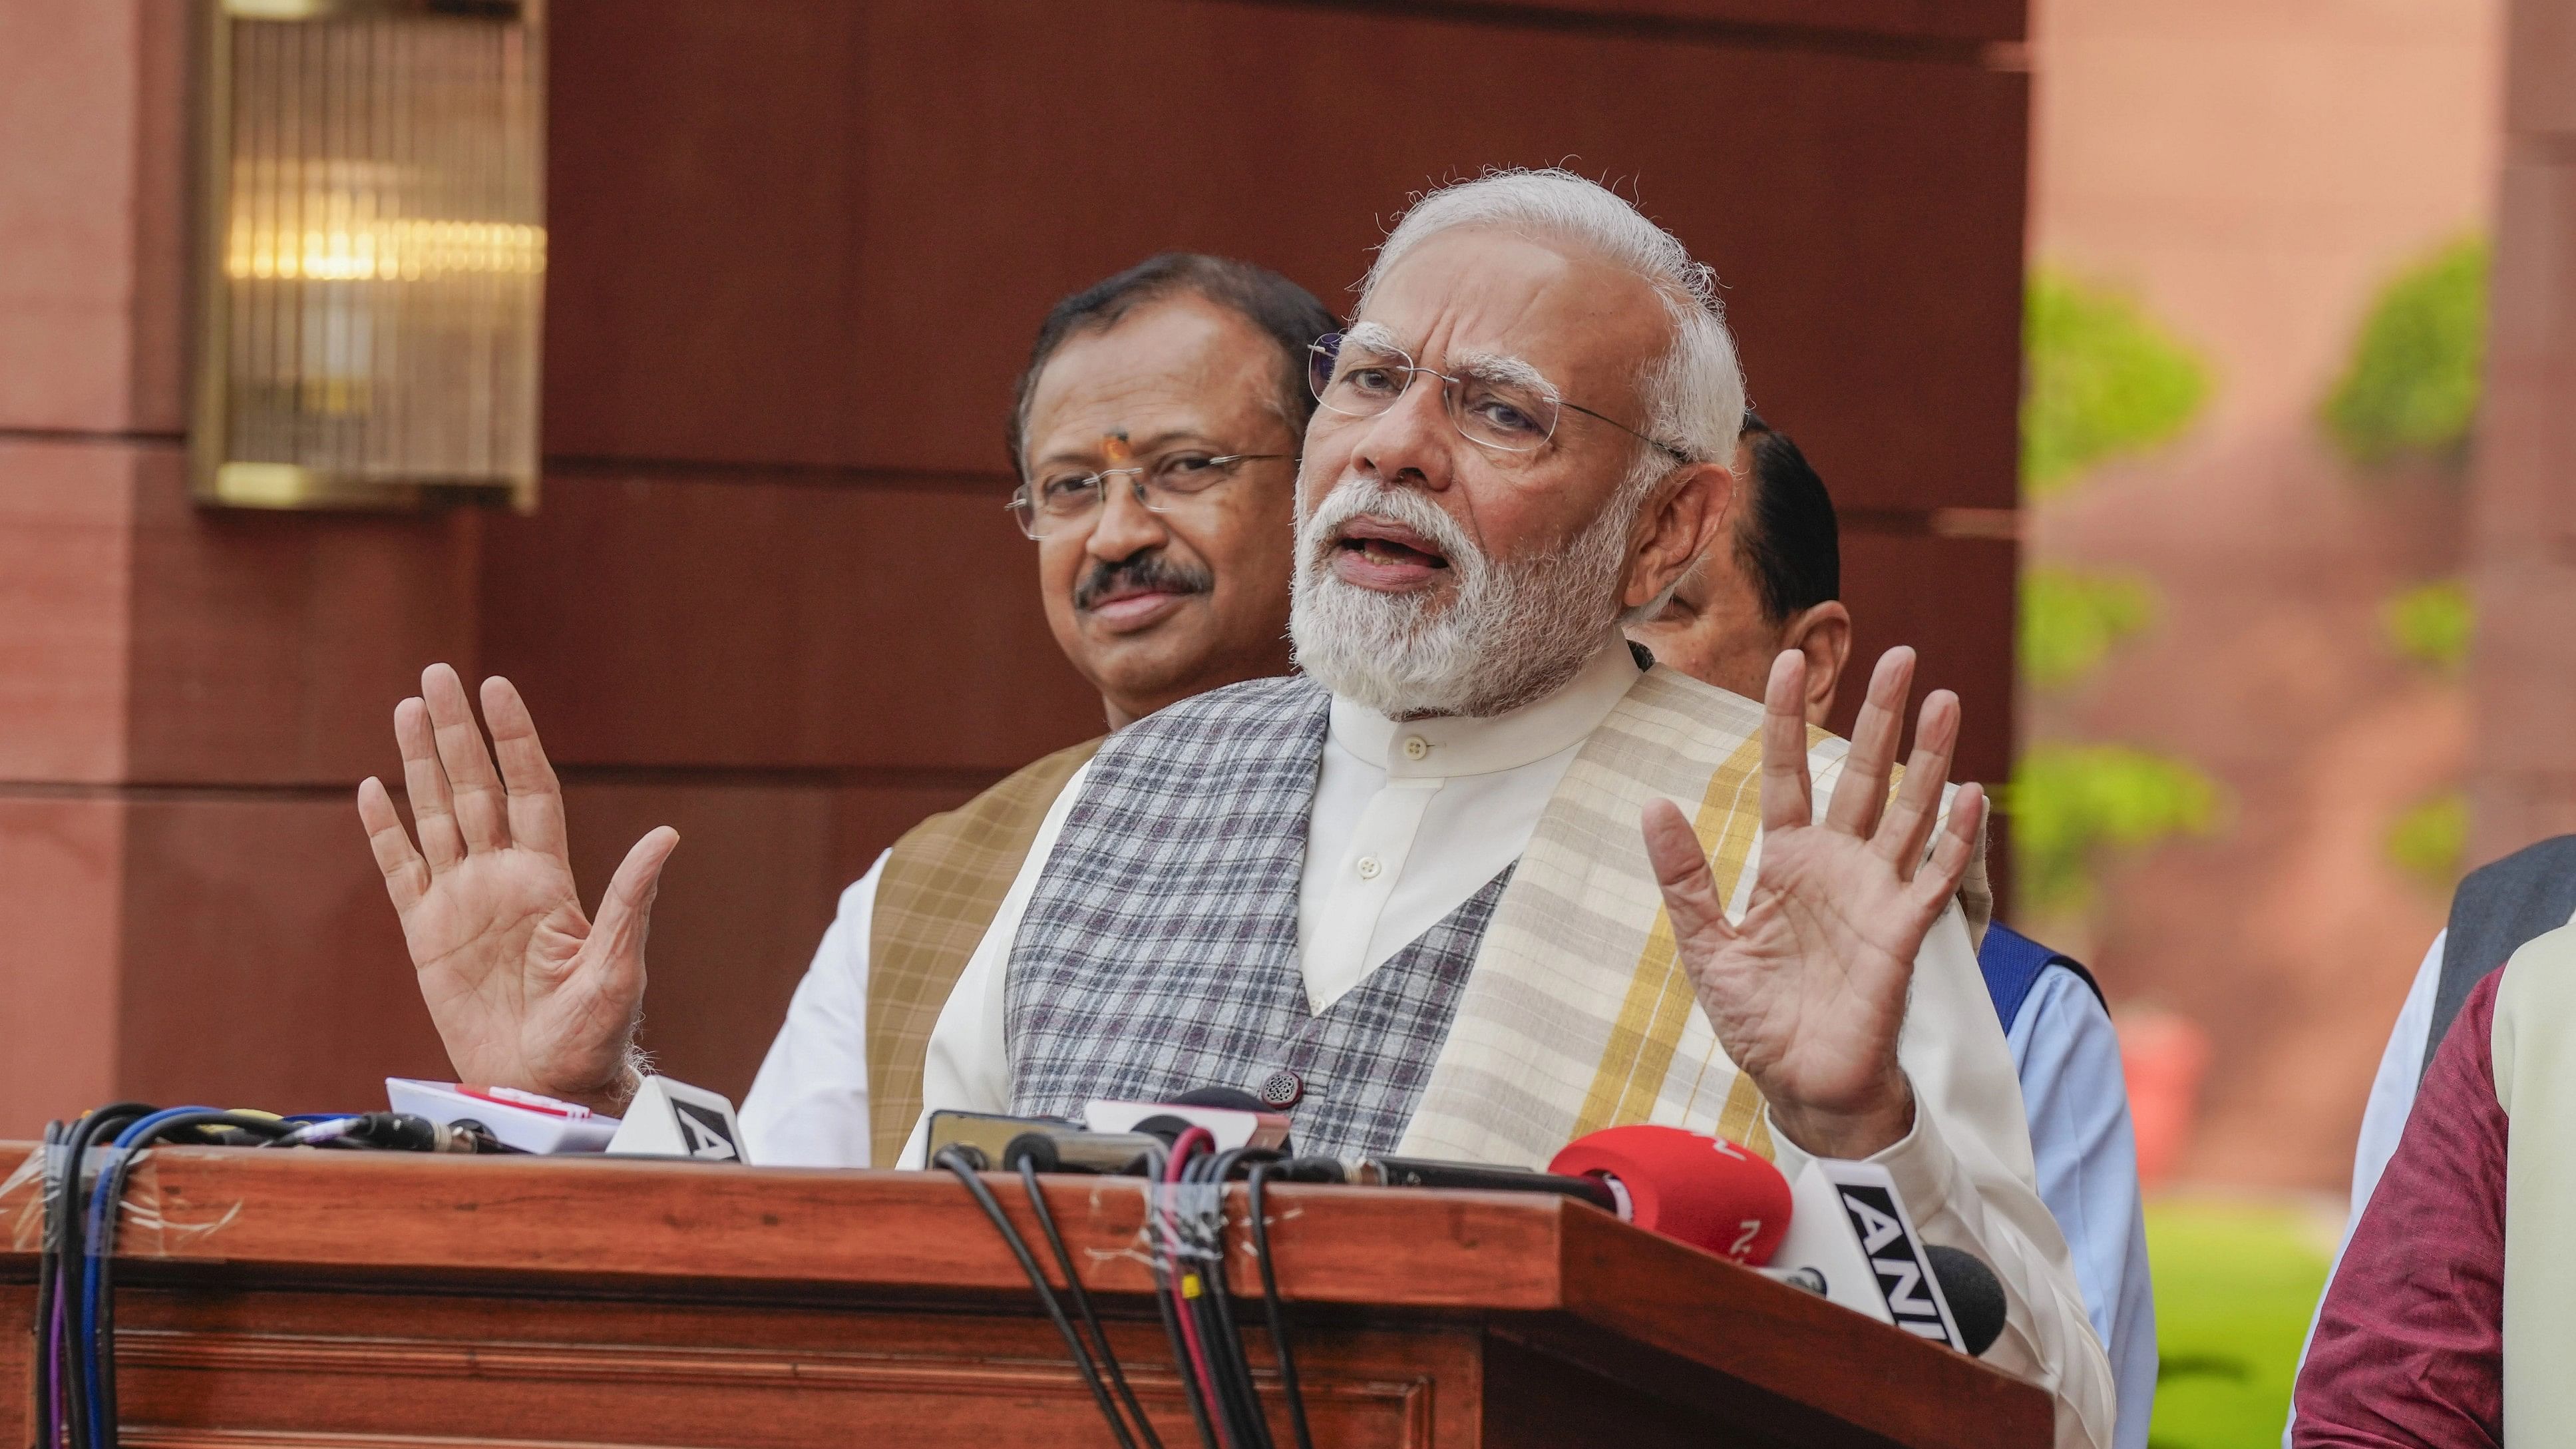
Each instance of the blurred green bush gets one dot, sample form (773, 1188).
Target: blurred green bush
(2099, 378)
(2412, 384)
(2070, 804)
(2071, 618)
(2430, 840)
(2432, 624)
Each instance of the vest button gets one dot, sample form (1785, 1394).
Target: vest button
(1415, 747)
(1368, 867)
(1281, 1090)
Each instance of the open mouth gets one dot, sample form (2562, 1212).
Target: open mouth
(1375, 546)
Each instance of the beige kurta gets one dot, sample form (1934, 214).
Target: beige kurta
(2535, 1081)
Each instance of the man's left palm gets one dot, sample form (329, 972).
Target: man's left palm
(1807, 993)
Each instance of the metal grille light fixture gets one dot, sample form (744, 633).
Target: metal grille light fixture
(374, 253)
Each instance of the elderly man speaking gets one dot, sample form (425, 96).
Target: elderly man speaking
(1434, 894)
(1407, 892)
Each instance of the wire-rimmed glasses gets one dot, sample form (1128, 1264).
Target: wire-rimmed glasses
(1064, 499)
(1498, 403)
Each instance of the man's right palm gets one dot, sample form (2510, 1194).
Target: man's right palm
(526, 990)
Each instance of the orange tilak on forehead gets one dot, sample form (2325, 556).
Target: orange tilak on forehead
(1113, 446)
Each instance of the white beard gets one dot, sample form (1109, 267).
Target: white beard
(1507, 634)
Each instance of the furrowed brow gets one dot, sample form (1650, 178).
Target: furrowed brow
(1502, 367)
(1371, 334)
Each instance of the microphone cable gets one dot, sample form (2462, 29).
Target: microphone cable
(1228, 1366)
(48, 1422)
(1182, 1286)
(1082, 1302)
(98, 1305)
(957, 1163)
(71, 1345)
(76, 1400)
(1166, 1275)
(1272, 1309)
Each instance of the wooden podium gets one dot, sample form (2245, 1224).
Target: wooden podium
(298, 1300)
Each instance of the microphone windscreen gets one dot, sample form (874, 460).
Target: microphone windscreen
(1233, 1099)
(1975, 1294)
(1700, 1190)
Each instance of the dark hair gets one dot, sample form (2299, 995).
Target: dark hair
(1286, 313)
(1788, 542)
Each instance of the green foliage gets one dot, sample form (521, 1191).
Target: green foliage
(2235, 1284)
(2069, 803)
(2429, 841)
(2412, 385)
(2100, 378)
(2431, 624)
(2070, 620)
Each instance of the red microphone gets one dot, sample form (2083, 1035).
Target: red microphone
(1703, 1191)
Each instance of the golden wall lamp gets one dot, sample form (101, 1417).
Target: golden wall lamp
(372, 246)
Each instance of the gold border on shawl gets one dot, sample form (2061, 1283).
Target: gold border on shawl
(1648, 1028)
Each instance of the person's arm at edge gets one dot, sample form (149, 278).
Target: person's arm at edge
(2392, 1089)
(1964, 1170)
(2383, 1118)
(2409, 1347)
(809, 1105)
(967, 1067)
(2085, 1154)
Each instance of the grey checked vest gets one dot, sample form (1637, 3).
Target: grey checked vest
(1159, 950)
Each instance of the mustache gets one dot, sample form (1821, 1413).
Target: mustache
(1361, 495)
(1151, 570)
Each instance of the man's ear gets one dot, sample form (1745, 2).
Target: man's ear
(1683, 519)
(1823, 634)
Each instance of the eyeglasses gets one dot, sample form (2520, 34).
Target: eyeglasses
(1066, 500)
(1509, 407)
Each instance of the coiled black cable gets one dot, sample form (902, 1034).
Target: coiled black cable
(1259, 1227)
(68, 1238)
(958, 1164)
(112, 1180)
(1167, 1272)
(45, 1290)
(1218, 1330)
(1082, 1302)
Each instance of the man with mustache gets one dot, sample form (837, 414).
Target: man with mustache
(1405, 896)
(1402, 895)
(1774, 583)
(1154, 435)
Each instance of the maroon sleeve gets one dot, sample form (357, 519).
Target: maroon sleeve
(2409, 1348)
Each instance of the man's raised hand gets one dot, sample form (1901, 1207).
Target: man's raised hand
(1808, 991)
(526, 990)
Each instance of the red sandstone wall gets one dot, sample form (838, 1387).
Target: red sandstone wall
(2254, 171)
(771, 597)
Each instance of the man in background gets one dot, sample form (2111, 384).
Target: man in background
(1155, 436)
(2448, 1322)
(2498, 909)
(1773, 587)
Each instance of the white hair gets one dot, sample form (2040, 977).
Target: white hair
(1516, 629)
(1694, 393)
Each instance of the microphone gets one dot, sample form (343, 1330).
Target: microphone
(1704, 1191)
(1974, 1293)
(1477, 1177)
(1851, 1232)
(1235, 1118)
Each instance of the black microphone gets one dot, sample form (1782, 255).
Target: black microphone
(1231, 1099)
(1975, 1295)
(1478, 1177)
